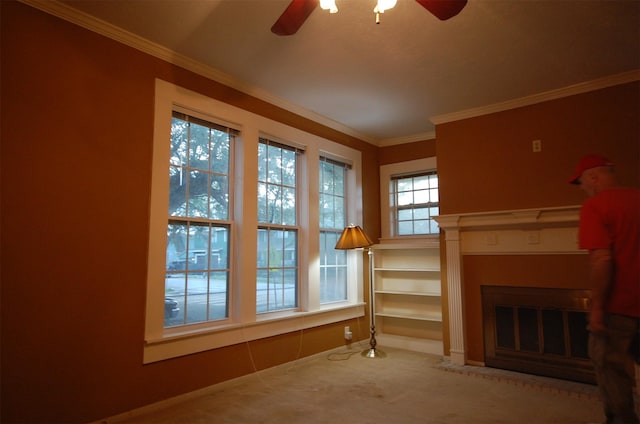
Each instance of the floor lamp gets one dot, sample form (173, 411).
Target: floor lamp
(353, 238)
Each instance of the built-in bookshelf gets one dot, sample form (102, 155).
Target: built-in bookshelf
(408, 295)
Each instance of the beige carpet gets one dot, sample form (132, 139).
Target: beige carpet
(405, 387)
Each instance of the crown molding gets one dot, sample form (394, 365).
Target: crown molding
(431, 135)
(571, 90)
(84, 20)
(91, 23)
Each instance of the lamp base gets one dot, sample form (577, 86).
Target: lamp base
(373, 353)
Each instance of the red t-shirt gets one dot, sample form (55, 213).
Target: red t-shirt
(611, 220)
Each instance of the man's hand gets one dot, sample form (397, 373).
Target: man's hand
(596, 321)
(600, 264)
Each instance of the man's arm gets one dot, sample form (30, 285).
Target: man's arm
(600, 274)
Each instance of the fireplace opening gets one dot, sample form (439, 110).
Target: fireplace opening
(538, 331)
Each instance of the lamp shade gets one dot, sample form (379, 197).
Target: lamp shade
(352, 238)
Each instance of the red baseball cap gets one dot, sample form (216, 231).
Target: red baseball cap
(588, 162)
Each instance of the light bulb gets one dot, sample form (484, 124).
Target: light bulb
(329, 5)
(384, 5)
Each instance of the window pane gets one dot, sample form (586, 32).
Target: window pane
(433, 227)
(219, 152)
(179, 134)
(196, 308)
(218, 295)
(198, 194)
(405, 228)
(277, 255)
(218, 207)
(288, 167)
(276, 185)
(415, 197)
(288, 206)
(198, 187)
(198, 147)
(274, 165)
(340, 218)
(262, 162)
(339, 185)
(420, 213)
(262, 202)
(421, 183)
(405, 198)
(333, 269)
(333, 281)
(433, 196)
(405, 214)
(421, 227)
(405, 184)
(421, 196)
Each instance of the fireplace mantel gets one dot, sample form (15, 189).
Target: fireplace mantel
(511, 232)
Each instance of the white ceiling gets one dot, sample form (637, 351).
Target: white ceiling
(384, 82)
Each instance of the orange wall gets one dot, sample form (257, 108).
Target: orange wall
(77, 123)
(407, 151)
(486, 163)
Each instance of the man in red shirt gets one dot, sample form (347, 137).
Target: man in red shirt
(610, 231)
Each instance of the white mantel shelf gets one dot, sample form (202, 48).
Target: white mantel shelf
(512, 232)
(521, 218)
(515, 232)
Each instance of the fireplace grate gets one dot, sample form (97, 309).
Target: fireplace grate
(538, 331)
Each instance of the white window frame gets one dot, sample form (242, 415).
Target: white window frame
(243, 323)
(346, 169)
(388, 221)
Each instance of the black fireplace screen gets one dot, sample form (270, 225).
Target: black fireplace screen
(537, 330)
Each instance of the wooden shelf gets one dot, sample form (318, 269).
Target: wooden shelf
(435, 317)
(408, 269)
(408, 291)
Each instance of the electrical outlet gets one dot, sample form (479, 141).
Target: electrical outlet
(347, 333)
(536, 146)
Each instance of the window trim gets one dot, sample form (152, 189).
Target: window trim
(346, 167)
(387, 174)
(244, 324)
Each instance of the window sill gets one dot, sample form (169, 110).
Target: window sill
(188, 342)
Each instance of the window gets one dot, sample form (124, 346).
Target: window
(235, 232)
(415, 200)
(197, 255)
(333, 263)
(409, 199)
(277, 264)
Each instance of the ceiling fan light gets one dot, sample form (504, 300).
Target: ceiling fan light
(329, 5)
(383, 5)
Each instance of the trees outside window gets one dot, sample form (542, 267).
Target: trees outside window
(333, 263)
(197, 255)
(416, 202)
(236, 248)
(277, 264)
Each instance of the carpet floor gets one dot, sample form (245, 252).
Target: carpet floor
(406, 387)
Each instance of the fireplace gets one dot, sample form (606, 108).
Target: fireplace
(537, 331)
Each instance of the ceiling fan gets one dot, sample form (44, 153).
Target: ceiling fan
(299, 10)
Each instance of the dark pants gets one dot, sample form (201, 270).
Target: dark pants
(613, 358)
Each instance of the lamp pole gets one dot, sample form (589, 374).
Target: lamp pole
(372, 352)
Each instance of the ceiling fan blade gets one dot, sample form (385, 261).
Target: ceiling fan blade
(443, 9)
(294, 16)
